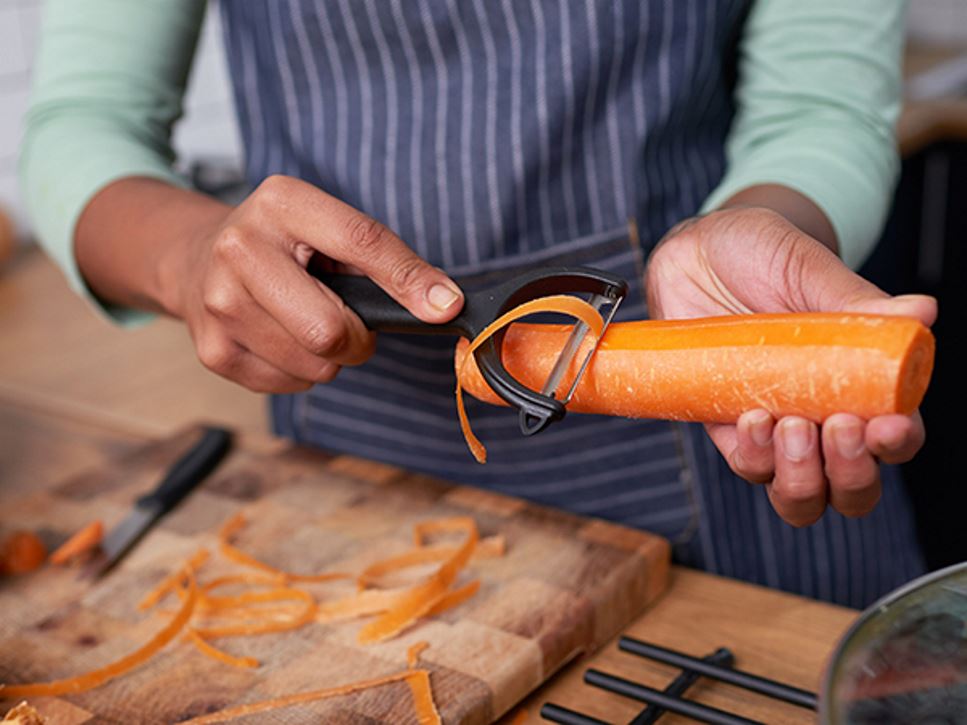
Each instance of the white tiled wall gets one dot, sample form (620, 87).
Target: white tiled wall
(208, 129)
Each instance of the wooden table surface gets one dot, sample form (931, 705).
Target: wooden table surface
(75, 392)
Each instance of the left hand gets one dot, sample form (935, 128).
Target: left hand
(753, 260)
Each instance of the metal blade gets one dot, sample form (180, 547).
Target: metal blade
(121, 538)
(572, 346)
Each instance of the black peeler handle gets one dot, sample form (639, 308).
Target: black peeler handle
(188, 471)
(375, 307)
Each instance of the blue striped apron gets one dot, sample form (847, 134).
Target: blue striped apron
(495, 135)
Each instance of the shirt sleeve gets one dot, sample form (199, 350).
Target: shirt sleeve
(818, 95)
(108, 86)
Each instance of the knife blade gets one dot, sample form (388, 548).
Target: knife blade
(182, 478)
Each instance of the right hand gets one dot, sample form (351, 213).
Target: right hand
(255, 314)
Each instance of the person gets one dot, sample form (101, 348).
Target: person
(437, 146)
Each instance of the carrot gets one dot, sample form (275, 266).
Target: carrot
(93, 679)
(20, 552)
(562, 304)
(173, 580)
(454, 597)
(486, 548)
(80, 544)
(418, 681)
(714, 369)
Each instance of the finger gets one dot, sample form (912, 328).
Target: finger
(754, 456)
(346, 234)
(920, 307)
(230, 360)
(895, 438)
(312, 314)
(263, 336)
(798, 492)
(854, 477)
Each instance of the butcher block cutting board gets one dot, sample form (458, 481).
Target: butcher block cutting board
(565, 586)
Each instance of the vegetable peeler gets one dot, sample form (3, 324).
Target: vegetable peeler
(382, 313)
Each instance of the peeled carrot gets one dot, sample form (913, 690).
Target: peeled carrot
(80, 544)
(20, 552)
(714, 369)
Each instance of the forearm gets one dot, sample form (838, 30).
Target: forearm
(135, 235)
(797, 208)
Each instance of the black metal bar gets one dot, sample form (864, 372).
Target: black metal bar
(627, 688)
(677, 687)
(556, 713)
(762, 685)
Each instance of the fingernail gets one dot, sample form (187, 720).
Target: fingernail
(849, 441)
(760, 428)
(442, 297)
(797, 436)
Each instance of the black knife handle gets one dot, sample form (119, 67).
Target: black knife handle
(188, 471)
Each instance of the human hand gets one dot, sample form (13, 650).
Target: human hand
(257, 317)
(753, 260)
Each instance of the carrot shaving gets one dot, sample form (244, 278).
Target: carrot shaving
(207, 603)
(420, 599)
(413, 652)
(173, 580)
(426, 712)
(220, 655)
(80, 544)
(492, 546)
(300, 618)
(564, 304)
(370, 601)
(233, 526)
(418, 681)
(92, 679)
(454, 597)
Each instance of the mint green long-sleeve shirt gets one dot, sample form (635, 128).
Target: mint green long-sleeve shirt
(817, 99)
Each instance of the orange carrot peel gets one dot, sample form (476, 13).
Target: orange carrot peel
(79, 545)
(233, 526)
(416, 602)
(92, 679)
(413, 652)
(563, 304)
(417, 680)
(217, 654)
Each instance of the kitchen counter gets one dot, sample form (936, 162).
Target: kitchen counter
(60, 414)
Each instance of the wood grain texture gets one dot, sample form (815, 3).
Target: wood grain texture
(565, 587)
(778, 635)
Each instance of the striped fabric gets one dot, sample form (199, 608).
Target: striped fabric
(496, 135)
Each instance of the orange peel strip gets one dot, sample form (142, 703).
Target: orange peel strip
(207, 603)
(421, 695)
(233, 526)
(454, 597)
(413, 652)
(563, 304)
(420, 599)
(492, 546)
(81, 543)
(220, 655)
(94, 678)
(173, 580)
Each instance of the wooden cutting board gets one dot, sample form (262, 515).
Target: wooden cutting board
(565, 586)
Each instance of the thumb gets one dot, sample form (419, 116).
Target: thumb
(920, 307)
(837, 288)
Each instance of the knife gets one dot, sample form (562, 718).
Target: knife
(180, 480)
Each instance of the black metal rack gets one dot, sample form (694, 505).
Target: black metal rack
(717, 665)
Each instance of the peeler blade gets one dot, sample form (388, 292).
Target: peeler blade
(573, 344)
